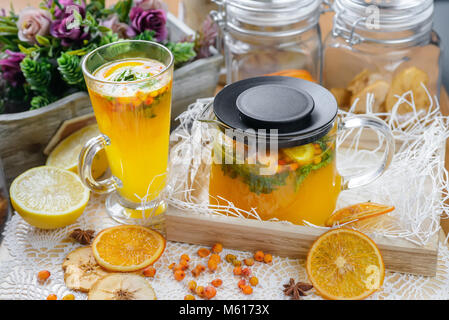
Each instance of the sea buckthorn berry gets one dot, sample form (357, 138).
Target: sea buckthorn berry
(217, 282)
(68, 297)
(230, 258)
(52, 297)
(178, 267)
(172, 265)
(179, 275)
(247, 290)
(259, 255)
(184, 264)
(267, 258)
(197, 270)
(189, 297)
(254, 281)
(43, 275)
(203, 252)
(237, 271)
(246, 272)
(241, 283)
(185, 257)
(192, 285)
(200, 291)
(217, 248)
(149, 271)
(249, 261)
(212, 265)
(215, 257)
(201, 267)
(237, 263)
(209, 292)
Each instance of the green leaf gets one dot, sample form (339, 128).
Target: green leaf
(70, 68)
(26, 51)
(103, 29)
(43, 41)
(182, 51)
(38, 74)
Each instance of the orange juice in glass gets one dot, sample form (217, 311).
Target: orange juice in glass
(130, 85)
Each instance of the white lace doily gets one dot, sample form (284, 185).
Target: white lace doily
(27, 250)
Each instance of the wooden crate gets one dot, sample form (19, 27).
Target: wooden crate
(288, 240)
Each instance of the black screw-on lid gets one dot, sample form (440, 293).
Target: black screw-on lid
(301, 110)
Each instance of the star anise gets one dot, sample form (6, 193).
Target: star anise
(296, 290)
(82, 236)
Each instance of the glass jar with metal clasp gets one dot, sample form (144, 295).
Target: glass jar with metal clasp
(386, 48)
(274, 36)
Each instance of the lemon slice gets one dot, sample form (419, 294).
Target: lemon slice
(49, 197)
(303, 155)
(66, 153)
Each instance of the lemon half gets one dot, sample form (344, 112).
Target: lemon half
(65, 155)
(49, 197)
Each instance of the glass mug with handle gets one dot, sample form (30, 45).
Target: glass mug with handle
(130, 85)
(289, 174)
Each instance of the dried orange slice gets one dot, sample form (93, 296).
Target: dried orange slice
(344, 264)
(127, 248)
(357, 212)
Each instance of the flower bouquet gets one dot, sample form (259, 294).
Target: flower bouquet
(41, 48)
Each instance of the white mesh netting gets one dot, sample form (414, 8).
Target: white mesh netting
(418, 165)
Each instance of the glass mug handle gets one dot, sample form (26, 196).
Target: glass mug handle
(358, 180)
(86, 157)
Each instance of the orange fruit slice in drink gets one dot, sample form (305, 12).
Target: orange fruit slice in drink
(357, 212)
(345, 264)
(127, 248)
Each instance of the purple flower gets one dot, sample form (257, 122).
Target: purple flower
(67, 7)
(113, 23)
(142, 20)
(207, 38)
(10, 66)
(33, 22)
(66, 28)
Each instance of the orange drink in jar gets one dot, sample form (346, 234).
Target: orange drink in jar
(274, 152)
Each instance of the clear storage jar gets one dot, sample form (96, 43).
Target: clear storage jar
(263, 37)
(386, 48)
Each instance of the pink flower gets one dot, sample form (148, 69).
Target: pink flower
(33, 22)
(113, 23)
(151, 5)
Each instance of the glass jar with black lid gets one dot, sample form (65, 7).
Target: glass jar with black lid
(386, 48)
(274, 150)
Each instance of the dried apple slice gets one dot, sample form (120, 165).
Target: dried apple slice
(81, 270)
(122, 286)
(379, 89)
(357, 212)
(409, 79)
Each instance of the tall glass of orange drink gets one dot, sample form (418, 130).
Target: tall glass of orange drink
(130, 85)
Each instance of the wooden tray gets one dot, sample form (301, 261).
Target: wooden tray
(288, 240)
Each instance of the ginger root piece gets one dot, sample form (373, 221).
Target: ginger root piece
(122, 286)
(81, 270)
